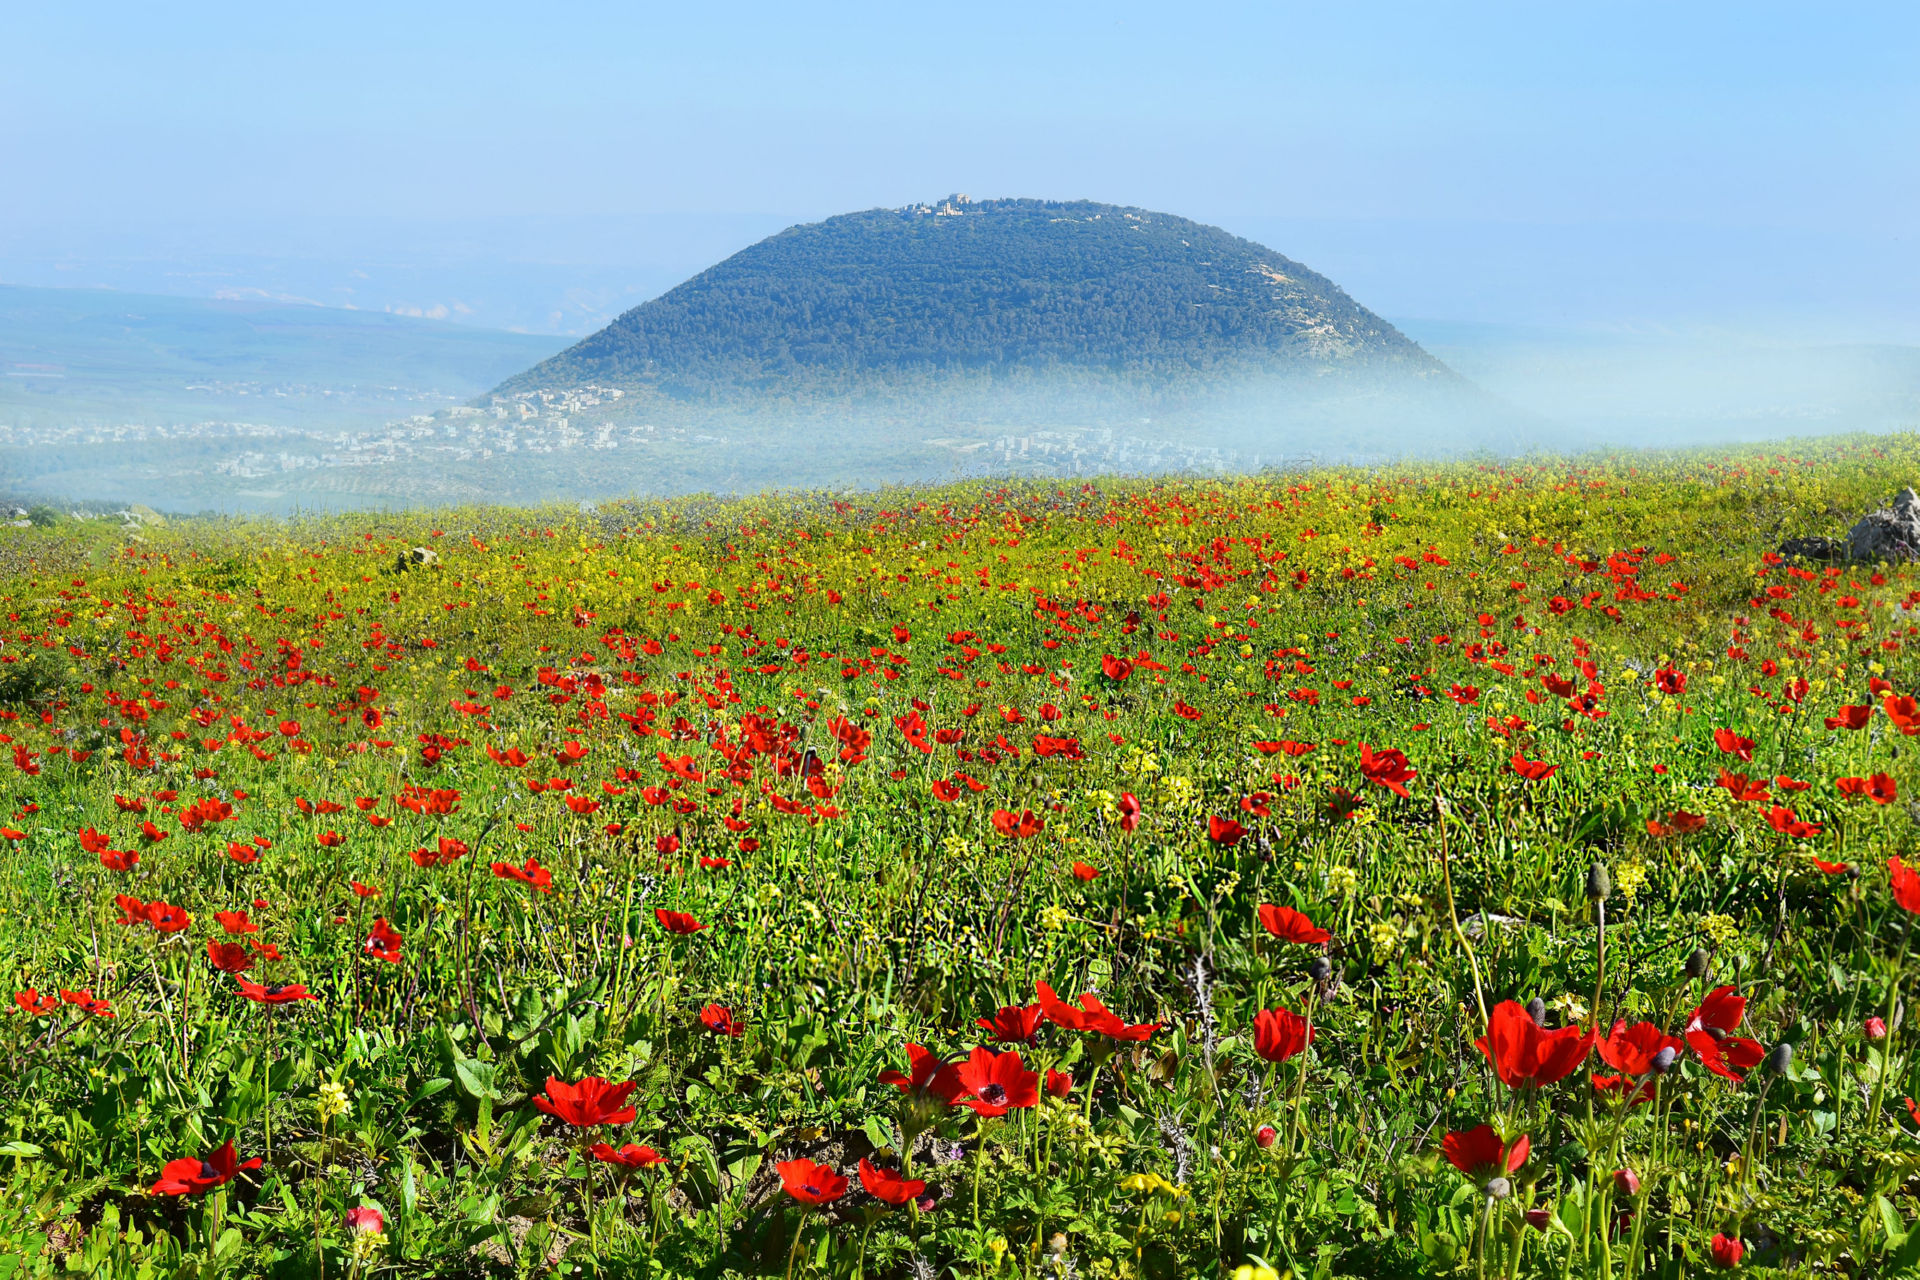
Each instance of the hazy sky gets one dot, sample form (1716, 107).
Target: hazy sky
(1612, 164)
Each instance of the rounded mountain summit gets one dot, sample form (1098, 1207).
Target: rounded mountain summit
(990, 295)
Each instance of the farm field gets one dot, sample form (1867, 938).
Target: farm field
(1480, 869)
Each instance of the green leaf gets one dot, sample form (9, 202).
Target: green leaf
(22, 1150)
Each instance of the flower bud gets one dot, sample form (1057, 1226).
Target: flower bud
(1266, 1136)
(1780, 1059)
(1537, 1010)
(1876, 1028)
(1663, 1061)
(1321, 969)
(1626, 1182)
(1599, 883)
(1697, 963)
(1539, 1217)
(364, 1218)
(1499, 1188)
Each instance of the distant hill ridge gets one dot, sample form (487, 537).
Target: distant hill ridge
(1015, 290)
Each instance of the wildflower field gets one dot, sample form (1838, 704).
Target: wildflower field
(1490, 870)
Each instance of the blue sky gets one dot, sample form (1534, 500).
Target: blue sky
(1613, 165)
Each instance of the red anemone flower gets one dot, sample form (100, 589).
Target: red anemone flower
(119, 859)
(533, 874)
(1851, 717)
(1481, 1153)
(1130, 811)
(1059, 1084)
(1533, 770)
(167, 918)
(1092, 1016)
(719, 1019)
(34, 1004)
(678, 922)
(274, 993)
(1387, 768)
(1013, 1023)
(887, 1186)
(1905, 882)
(627, 1156)
(88, 1002)
(1289, 925)
(1083, 871)
(196, 1177)
(383, 943)
(1710, 1035)
(591, 1102)
(229, 957)
(1632, 1049)
(1734, 745)
(810, 1183)
(997, 1083)
(1525, 1055)
(1279, 1034)
(1018, 826)
(1224, 831)
(235, 922)
(931, 1076)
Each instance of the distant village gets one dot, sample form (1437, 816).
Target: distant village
(589, 418)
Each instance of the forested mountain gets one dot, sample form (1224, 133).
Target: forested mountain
(1018, 290)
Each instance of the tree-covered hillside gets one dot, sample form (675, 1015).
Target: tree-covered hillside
(1001, 287)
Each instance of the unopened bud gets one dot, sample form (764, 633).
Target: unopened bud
(1876, 1028)
(1321, 969)
(1499, 1188)
(1662, 1061)
(1539, 1217)
(1697, 963)
(1599, 883)
(1266, 1136)
(1780, 1059)
(1537, 1010)
(1626, 1182)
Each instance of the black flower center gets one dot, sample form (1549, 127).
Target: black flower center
(993, 1094)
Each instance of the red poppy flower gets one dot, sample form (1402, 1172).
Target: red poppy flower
(997, 1083)
(1905, 882)
(810, 1183)
(132, 910)
(1881, 790)
(714, 864)
(1018, 826)
(1525, 1055)
(591, 1102)
(34, 1004)
(330, 839)
(1832, 868)
(1289, 925)
(1224, 831)
(678, 922)
(931, 1076)
(364, 1219)
(1632, 1049)
(627, 1156)
(719, 1019)
(363, 890)
(229, 957)
(1130, 811)
(243, 853)
(1279, 1034)
(383, 943)
(274, 993)
(119, 859)
(1481, 1153)
(533, 875)
(887, 1186)
(1115, 668)
(1734, 745)
(944, 791)
(1082, 871)
(1387, 768)
(1636, 1093)
(1743, 789)
(1013, 1023)
(196, 1177)
(1905, 714)
(1727, 1251)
